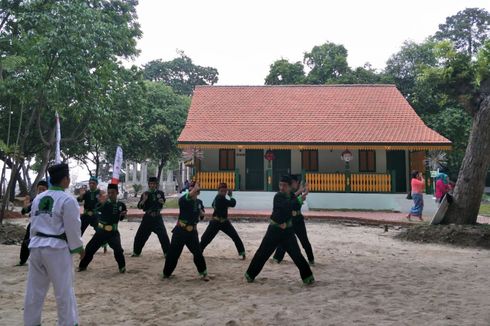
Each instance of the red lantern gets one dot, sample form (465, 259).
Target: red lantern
(346, 156)
(269, 155)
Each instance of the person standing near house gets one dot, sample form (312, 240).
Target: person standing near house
(280, 232)
(220, 221)
(299, 227)
(442, 186)
(55, 235)
(185, 234)
(151, 203)
(110, 212)
(42, 186)
(418, 185)
(90, 200)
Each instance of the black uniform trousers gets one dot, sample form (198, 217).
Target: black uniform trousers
(299, 228)
(181, 238)
(212, 230)
(148, 225)
(274, 237)
(24, 247)
(88, 220)
(113, 238)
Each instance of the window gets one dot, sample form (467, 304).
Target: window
(367, 161)
(227, 159)
(309, 160)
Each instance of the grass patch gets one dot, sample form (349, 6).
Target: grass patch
(485, 209)
(172, 203)
(351, 210)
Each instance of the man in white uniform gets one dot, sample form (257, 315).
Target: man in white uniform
(55, 235)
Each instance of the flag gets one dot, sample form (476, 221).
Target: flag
(117, 165)
(57, 158)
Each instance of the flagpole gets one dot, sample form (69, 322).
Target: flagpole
(57, 159)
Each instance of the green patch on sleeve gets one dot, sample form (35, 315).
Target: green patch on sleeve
(76, 250)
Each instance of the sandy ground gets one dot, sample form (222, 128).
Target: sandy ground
(364, 277)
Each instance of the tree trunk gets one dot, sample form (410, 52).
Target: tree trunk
(45, 161)
(471, 179)
(161, 165)
(5, 199)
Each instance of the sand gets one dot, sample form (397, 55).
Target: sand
(364, 277)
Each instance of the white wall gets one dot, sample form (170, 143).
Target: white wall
(296, 162)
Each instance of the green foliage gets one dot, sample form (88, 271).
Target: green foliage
(327, 62)
(454, 124)
(467, 30)
(282, 72)
(180, 73)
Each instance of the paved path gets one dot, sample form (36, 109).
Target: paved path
(391, 218)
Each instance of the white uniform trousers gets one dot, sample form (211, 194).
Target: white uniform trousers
(48, 265)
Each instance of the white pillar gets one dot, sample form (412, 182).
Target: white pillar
(144, 175)
(134, 179)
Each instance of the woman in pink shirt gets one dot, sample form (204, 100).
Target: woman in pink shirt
(442, 186)
(418, 185)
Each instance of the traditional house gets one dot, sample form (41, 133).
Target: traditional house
(342, 138)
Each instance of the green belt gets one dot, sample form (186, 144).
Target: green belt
(89, 213)
(107, 227)
(289, 223)
(188, 227)
(220, 219)
(296, 213)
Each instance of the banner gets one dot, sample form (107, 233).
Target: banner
(57, 158)
(118, 160)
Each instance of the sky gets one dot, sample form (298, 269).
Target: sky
(243, 38)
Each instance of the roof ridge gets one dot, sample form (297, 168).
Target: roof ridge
(295, 85)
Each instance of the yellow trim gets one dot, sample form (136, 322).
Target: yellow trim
(318, 147)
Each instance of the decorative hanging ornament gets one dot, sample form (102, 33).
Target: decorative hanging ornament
(269, 155)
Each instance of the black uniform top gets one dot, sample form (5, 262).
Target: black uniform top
(154, 203)
(110, 212)
(90, 200)
(221, 204)
(188, 210)
(283, 207)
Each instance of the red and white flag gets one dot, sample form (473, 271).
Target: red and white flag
(117, 165)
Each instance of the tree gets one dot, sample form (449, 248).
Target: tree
(180, 73)
(468, 30)
(327, 62)
(70, 68)
(282, 72)
(404, 66)
(468, 81)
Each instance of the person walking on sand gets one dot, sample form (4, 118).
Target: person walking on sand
(418, 185)
(220, 221)
(442, 186)
(281, 233)
(55, 235)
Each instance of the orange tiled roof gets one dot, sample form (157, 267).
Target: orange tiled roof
(326, 114)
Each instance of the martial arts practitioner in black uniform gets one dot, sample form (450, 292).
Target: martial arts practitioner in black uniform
(220, 221)
(42, 186)
(298, 227)
(185, 234)
(90, 200)
(280, 232)
(110, 212)
(151, 203)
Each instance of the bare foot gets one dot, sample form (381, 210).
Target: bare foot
(408, 217)
(205, 278)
